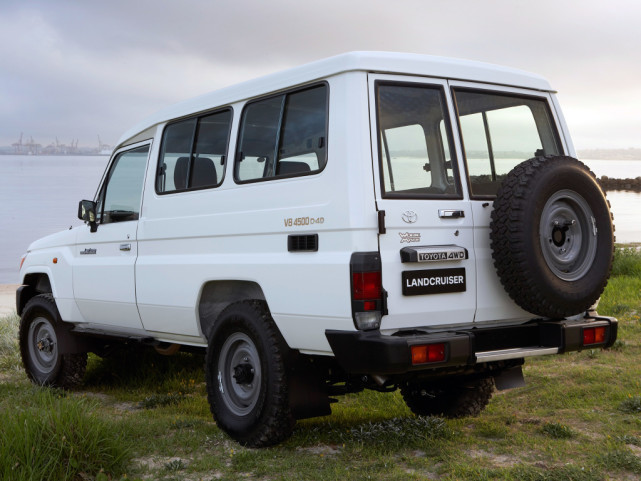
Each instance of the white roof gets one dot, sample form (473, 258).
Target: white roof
(380, 62)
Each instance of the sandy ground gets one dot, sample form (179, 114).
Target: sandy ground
(7, 299)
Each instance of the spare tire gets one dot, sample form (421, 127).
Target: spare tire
(552, 236)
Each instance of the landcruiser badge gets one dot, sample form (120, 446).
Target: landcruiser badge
(410, 237)
(409, 216)
(433, 281)
(88, 251)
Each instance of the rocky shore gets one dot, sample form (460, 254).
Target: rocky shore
(608, 183)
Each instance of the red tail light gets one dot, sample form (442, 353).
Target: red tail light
(367, 290)
(366, 285)
(427, 353)
(594, 335)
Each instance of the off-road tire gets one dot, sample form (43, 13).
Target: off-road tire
(552, 236)
(40, 324)
(451, 399)
(253, 408)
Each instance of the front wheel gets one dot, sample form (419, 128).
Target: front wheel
(246, 371)
(40, 330)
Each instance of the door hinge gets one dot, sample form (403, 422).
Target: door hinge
(381, 222)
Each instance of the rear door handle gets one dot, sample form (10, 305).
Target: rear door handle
(451, 213)
(125, 247)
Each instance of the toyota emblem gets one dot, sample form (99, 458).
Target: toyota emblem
(409, 216)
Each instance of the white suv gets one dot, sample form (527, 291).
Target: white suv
(368, 221)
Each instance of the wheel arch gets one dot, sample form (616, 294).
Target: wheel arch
(34, 283)
(215, 296)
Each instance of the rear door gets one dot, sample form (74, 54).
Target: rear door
(500, 127)
(427, 249)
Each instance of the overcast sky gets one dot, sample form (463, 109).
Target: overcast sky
(77, 69)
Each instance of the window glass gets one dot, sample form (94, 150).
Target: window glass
(414, 142)
(174, 159)
(122, 192)
(283, 136)
(302, 141)
(193, 153)
(256, 157)
(407, 148)
(210, 150)
(499, 132)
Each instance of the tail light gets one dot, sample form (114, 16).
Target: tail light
(594, 335)
(367, 290)
(427, 353)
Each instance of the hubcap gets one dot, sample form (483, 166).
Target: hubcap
(568, 235)
(239, 374)
(43, 345)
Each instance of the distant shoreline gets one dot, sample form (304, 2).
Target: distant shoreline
(632, 185)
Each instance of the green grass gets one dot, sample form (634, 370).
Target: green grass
(46, 435)
(143, 416)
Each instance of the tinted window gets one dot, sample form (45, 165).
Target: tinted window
(122, 193)
(414, 142)
(283, 136)
(193, 153)
(499, 132)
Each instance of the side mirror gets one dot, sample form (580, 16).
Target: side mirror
(87, 212)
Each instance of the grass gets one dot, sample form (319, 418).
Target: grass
(578, 418)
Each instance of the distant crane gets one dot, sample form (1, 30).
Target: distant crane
(103, 148)
(32, 146)
(18, 145)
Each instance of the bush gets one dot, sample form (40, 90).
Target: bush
(557, 431)
(627, 262)
(631, 405)
(9, 351)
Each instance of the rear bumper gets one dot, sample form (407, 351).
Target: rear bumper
(370, 352)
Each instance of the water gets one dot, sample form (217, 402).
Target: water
(39, 196)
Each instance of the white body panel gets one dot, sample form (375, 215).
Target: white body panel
(239, 232)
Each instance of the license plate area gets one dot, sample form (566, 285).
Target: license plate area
(433, 281)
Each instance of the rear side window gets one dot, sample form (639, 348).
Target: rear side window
(283, 136)
(499, 132)
(414, 142)
(193, 153)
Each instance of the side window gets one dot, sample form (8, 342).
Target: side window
(283, 136)
(120, 197)
(500, 131)
(414, 142)
(193, 153)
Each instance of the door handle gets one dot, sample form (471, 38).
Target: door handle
(451, 213)
(125, 247)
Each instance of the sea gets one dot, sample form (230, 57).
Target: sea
(39, 196)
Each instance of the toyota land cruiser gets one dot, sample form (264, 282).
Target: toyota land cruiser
(369, 221)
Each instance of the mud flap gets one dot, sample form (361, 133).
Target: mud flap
(510, 379)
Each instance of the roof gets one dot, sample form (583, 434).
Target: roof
(379, 62)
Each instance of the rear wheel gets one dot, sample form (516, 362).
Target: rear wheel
(40, 330)
(453, 399)
(247, 378)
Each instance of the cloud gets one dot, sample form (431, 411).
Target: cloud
(77, 69)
